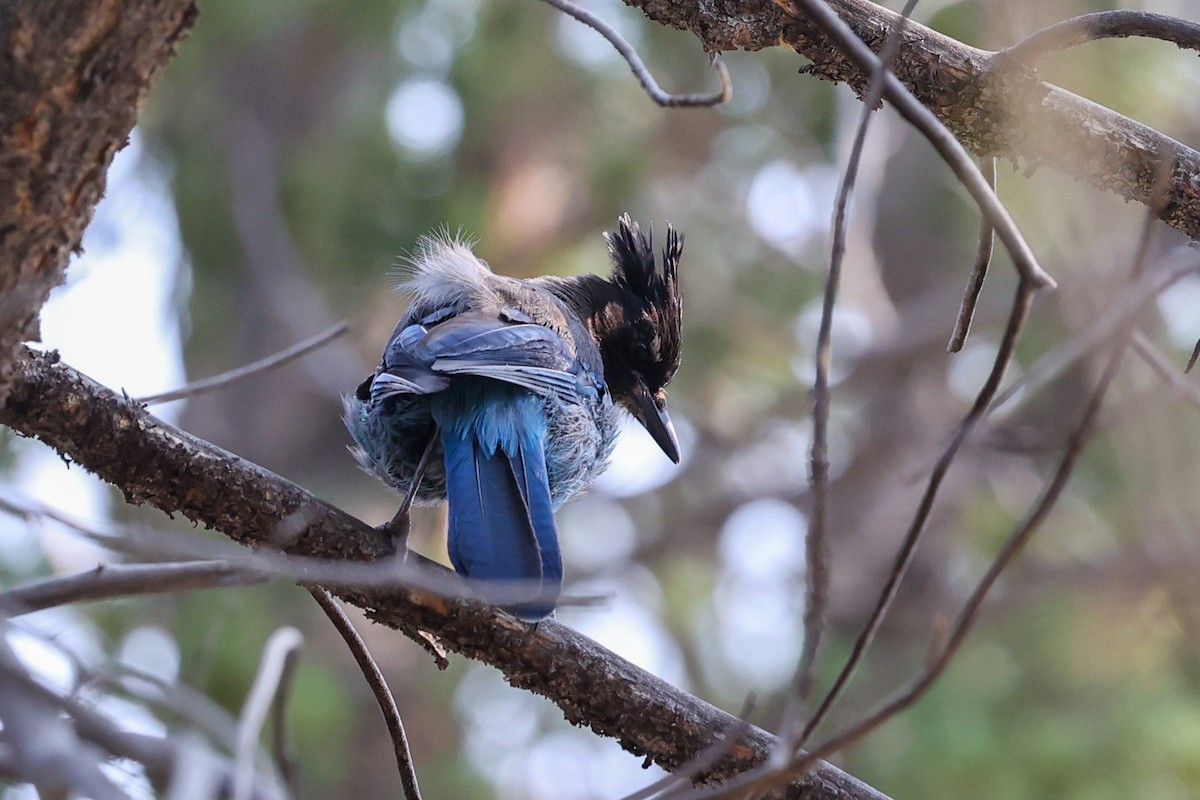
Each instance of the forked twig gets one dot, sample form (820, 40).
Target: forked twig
(816, 544)
(948, 147)
(254, 368)
(771, 775)
(285, 760)
(1016, 542)
(966, 618)
(639, 68)
(1016, 320)
(1163, 367)
(983, 259)
(271, 679)
(1104, 25)
(379, 687)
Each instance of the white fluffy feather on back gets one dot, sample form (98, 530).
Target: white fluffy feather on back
(442, 267)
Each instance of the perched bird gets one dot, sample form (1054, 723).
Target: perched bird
(501, 396)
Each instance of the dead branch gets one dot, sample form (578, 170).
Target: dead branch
(154, 463)
(124, 580)
(379, 688)
(990, 107)
(627, 52)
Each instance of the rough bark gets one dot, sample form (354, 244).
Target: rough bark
(159, 465)
(994, 104)
(71, 75)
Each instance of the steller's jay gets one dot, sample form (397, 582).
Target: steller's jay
(500, 396)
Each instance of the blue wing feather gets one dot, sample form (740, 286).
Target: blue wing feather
(417, 359)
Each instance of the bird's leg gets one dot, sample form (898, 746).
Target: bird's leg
(398, 527)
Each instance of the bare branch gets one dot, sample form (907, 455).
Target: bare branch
(255, 368)
(772, 775)
(965, 621)
(285, 761)
(45, 750)
(154, 462)
(1192, 361)
(1163, 367)
(1104, 25)
(948, 147)
(166, 760)
(991, 109)
(1016, 320)
(1125, 305)
(817, 547)
(107, 581)
(413, 572)
(983, 258)
(639, 68)
(270, 680)
(1015, 543)
(379, 688)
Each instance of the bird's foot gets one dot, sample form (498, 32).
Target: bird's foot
(397, 529)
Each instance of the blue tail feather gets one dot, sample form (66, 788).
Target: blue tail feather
(501, 519)
(534, 485)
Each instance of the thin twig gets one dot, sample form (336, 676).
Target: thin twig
(816, 542)
(412, 572)
(1104, 25)
(255, 368)
(949, 148)
(639, 68)
(379, 687)
(1119, 318)
(267, 683)
(43, 748)
(1016, 319)
(1195, 356)
(107, 581)
(1118, 311)
(983, 258)
(1163, 367)
(770, 775)
(970, 611)
(285, 760)
(1016, 542)
(694, 768)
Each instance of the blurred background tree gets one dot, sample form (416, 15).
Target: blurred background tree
(293, 153)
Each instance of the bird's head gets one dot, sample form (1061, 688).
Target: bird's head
(639, 330)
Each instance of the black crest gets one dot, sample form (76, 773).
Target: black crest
(635, 270)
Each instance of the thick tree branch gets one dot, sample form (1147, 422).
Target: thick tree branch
(994, 104)
(72, 74)
(157, 464)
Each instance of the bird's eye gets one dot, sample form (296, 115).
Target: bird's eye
(641, 354)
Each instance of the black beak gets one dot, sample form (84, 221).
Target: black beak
(651, 411)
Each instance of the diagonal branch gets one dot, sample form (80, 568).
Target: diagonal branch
(988, 102)
(154, 463)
